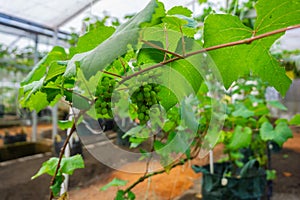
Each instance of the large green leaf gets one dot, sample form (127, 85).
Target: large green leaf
(92, 39)
(55, 70)
(67, 166)
(48, 167)
(241, 138)
(150, 55)
(242, 111)
(283, 133)
(31, 96)
(280, 134)
(117, 44)
(236, 61)
(220, 29)
(266, 131)
(180, 79)
(276, 14)
(40, 69)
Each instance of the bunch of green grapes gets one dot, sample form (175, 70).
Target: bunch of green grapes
(145, 96)
(103, 95)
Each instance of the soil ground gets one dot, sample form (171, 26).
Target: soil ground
(180, 184)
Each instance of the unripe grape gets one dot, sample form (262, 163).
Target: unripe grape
(141, 116)
(145, 97)
(103, 104)
(103, 95)
(147, 94)
(140, 97)
(104, 111)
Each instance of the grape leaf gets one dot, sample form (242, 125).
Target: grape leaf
(65, 124)
(131, 195)
(32, 94)
(57, 185)
(37, 101)
(48, 167)
(279, 135)
(80, 102)
(115, 182)
(295, 120)
(105, 53)
(266, 131)
(174, 21)
(179, 80)
(40, 69)
(180, 10)
(133, 132)
(120, 195)
(68, 165)
(277, 104)
(150, 55)
(276, 14)
(188, 114)
(55, 70)
(73, 63)
(182, 24)
(271, 174)
(183, 77)
(283, 133)
(242, 111)
(241, 138)
(92, 39)
(236, 61)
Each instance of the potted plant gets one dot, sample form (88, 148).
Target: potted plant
(248, 133)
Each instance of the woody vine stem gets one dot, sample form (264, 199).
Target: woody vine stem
(177, 57)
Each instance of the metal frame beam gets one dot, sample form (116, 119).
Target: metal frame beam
(31, 27)
(67, 19)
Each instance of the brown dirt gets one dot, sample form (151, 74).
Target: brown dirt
(13, 130)
(287, 166)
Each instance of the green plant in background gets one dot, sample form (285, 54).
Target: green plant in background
(118, 55)
(291, 61)
(249, 125)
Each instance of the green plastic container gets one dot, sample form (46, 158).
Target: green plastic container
(218, 186)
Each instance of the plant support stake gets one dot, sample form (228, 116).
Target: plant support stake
(211, 161)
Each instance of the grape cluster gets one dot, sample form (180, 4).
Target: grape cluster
(144, 97)
(103, 94)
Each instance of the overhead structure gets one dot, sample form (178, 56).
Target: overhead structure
(43, 18)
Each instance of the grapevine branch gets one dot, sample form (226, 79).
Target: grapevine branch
(220, 46)
(162, 49)
(113, 74)
(62, 150)
(61, 153)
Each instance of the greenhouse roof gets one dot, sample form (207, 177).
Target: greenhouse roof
(21, 19)
(51, 14)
